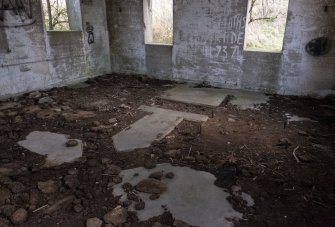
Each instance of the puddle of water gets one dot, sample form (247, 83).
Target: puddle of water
(191, 196)
(53, 146)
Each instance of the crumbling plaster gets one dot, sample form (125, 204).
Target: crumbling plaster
(208, 46)
(38, 59)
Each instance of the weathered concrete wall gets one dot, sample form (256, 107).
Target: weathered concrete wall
(208, 46)
(37, 59)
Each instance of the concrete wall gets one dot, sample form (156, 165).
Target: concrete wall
(208, 46)
(37, 59)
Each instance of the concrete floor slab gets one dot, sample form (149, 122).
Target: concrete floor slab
(165, 112)
(52, 145)
(197, 96)
(214, 97)
(196, 200)
(152, 128)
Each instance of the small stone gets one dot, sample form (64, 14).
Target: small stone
(154, 196)
(93, 222)
(78, 208)
(65, 108)
(117, 216)
(140, 205)
(71, 181)
(112, 170)
(19, 216)
(302, 133)
(44, 100)
(180, 223)
(172, 153)
(4, 195)
(112, 120)
(124, 106)
(35, 95)
(71, 143)
(189, 159)
(231, 120)
(151, 186)
(169, 175)
(47, 187)
(156, 175)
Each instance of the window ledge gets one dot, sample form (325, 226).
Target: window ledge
(159, 44)
(263, 51)
(63, 31)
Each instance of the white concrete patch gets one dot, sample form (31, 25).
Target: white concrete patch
(191, 196)
(52, 145)
(152, 128)
(291, 118)
(214, 97)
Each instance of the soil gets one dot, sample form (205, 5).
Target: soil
(289, 188)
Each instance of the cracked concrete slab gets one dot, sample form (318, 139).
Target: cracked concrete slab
(214, 97)
(53, 146)
(152, 128)
(196, 200)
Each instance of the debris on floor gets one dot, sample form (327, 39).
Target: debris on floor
(265, 171)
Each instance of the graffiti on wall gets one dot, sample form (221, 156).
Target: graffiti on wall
(90, 34)
(229, 43)
(319, 46)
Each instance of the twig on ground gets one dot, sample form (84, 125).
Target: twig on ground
(42, 207)
(294, 154)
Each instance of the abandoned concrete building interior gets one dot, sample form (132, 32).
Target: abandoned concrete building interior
(161, 113)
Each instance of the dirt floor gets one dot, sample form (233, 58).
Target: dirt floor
(254, 148)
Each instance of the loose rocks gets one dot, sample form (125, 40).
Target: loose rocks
(117, 216)
(19, 216)
(151, 186)
(93, 222)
